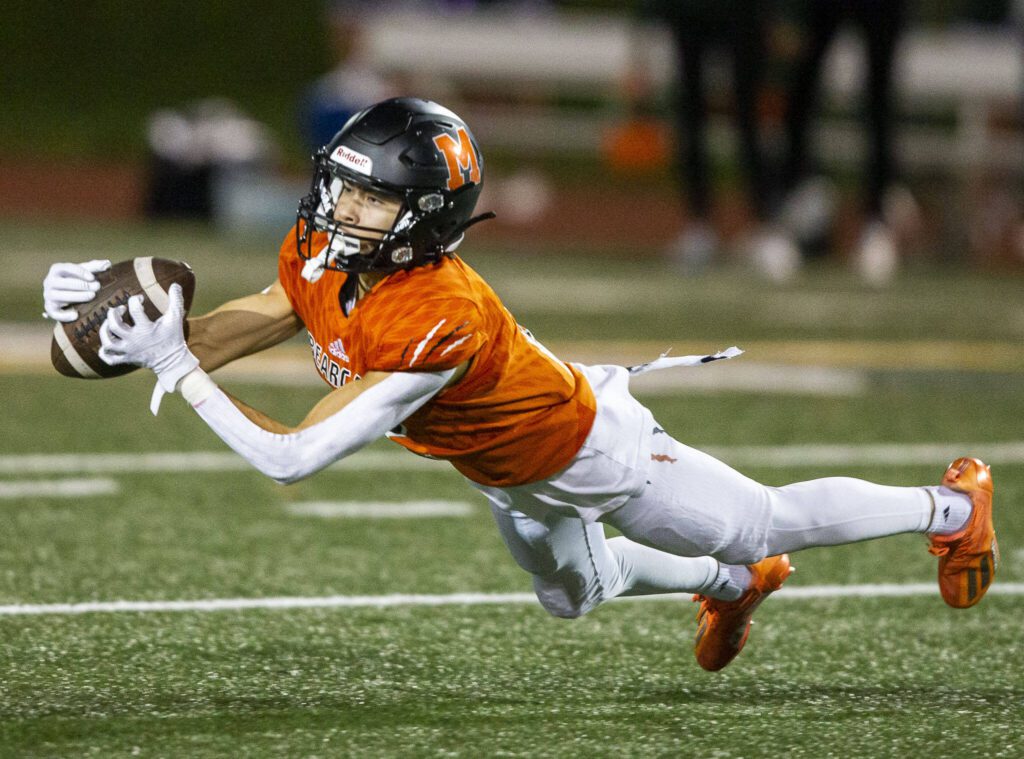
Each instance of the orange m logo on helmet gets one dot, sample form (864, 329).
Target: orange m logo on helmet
(460, 157)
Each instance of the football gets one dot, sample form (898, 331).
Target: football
(74, 350)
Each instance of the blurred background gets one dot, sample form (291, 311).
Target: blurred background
(774, 135)
(835, 186)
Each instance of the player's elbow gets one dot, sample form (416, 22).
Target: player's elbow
(292, 456)
(289, 475)
(291, 470)
(284, 458)
(285, 472)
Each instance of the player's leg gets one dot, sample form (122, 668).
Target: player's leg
(696, 505)
(575, 567)
(957, 516)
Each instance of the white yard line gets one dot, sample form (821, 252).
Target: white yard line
(380, 509)
(70, 488)
(196, 461)
(25, 348)
(890, 454)
(453, 599)
(822, 368)
(823, 454)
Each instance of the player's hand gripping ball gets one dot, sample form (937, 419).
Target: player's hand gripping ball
(75, 347)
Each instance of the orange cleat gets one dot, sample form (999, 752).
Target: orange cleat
(723, 626)
(968, 559)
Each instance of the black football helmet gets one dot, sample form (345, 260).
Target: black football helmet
(415, 150)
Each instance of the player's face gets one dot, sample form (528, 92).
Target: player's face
(361, 207)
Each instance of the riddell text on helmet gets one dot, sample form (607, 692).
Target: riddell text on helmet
(352, 159)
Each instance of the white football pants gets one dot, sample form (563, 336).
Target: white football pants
(688, 513)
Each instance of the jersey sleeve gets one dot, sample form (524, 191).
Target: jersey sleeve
(431, 336)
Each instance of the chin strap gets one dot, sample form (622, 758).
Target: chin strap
(459, 231)
(460, 234)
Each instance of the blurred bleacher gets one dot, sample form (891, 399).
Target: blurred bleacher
(542, 89)
(524, 73)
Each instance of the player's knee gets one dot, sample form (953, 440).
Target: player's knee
(742, 554)
(566, 600)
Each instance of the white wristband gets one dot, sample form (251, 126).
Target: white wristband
(196, 387)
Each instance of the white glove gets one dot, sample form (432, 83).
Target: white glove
(158, 345)
(68, 284)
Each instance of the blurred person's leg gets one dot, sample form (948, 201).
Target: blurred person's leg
(769, 249)
(821, 21)
(691, 107)
(696, 246)
(881, 23)
(747, 49)
(809, 205)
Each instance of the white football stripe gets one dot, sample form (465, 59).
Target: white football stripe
(458, 599)
(380, 509)
(147, 278)
(71, 354)
(71, 488)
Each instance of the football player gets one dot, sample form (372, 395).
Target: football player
(417, 347)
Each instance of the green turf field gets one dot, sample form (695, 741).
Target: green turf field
(822, 677)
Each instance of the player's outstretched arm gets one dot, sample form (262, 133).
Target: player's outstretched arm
(346, 420)
(241, 327)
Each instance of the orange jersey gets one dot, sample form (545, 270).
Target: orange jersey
(518, 415)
